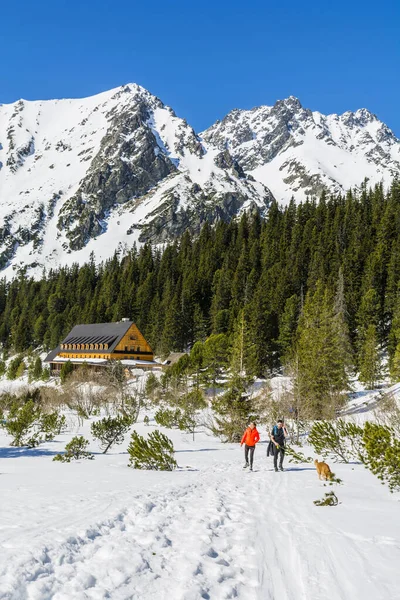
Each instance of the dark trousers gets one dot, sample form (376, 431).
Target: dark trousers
(281, 452)
(249, 450)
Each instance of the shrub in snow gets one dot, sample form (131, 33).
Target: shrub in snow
(110, 431)
(156, 453)
(297, 457)
(13, 367)
(165, 417)
(84, 392)
(75, 450)
(131, 405)
(22, 424)
(29, 426)
(52, 424)
(381, 454)
(339, 439)
(192, 404)
(2, 368)
(330, 499)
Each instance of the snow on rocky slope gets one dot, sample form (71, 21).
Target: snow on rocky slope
(101, 173)
(300, 153)
(98, 173)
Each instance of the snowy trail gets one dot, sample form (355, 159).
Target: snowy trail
(224, 534)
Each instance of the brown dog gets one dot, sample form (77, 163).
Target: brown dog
(323, 470)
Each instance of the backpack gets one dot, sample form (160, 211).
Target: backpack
(275, 430)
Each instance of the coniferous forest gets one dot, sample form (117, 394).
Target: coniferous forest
(326, 268)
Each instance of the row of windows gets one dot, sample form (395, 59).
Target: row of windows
(86, 356)
(84, 346)
(95, 347)
(92, 356)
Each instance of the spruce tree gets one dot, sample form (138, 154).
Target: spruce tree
(322, 369)
(369, 359)
(215, 358)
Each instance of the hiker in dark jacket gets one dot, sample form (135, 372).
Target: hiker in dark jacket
(278, 435)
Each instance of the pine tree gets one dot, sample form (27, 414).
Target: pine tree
(110, 431)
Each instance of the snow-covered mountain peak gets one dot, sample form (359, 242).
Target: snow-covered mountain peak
(300, 152)
(99, 173)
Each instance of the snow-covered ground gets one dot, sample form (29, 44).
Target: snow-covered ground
(209, 530)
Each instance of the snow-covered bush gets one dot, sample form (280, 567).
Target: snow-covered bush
(339, 439)
(381, 454)
(75, 450)
(155, 453)
(110, 431)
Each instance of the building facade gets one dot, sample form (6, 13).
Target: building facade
(99, 343)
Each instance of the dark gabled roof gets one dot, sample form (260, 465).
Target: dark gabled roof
(51, 355)
(96, 333)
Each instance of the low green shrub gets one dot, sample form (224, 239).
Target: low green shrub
(75, 450)
(156, 453)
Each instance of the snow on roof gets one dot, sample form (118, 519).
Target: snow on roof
(103, 361)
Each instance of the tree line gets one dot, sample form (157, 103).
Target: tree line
(310, 278)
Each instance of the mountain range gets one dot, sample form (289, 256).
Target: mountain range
(102, 173)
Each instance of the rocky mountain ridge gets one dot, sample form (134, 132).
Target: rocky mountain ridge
(101, 173)
(301, 153)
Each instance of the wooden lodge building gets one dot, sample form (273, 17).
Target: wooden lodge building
(97, 344)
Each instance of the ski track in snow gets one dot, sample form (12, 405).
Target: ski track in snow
(228, 534)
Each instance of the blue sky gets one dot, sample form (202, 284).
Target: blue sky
(206, 58)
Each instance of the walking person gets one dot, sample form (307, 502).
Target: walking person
(250, 439)
(278, 435)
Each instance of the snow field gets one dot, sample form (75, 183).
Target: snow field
(97, 529)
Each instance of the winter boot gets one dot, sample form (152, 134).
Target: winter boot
(276, 469)
(245, 466)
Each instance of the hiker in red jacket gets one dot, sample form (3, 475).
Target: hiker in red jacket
(250, 439)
